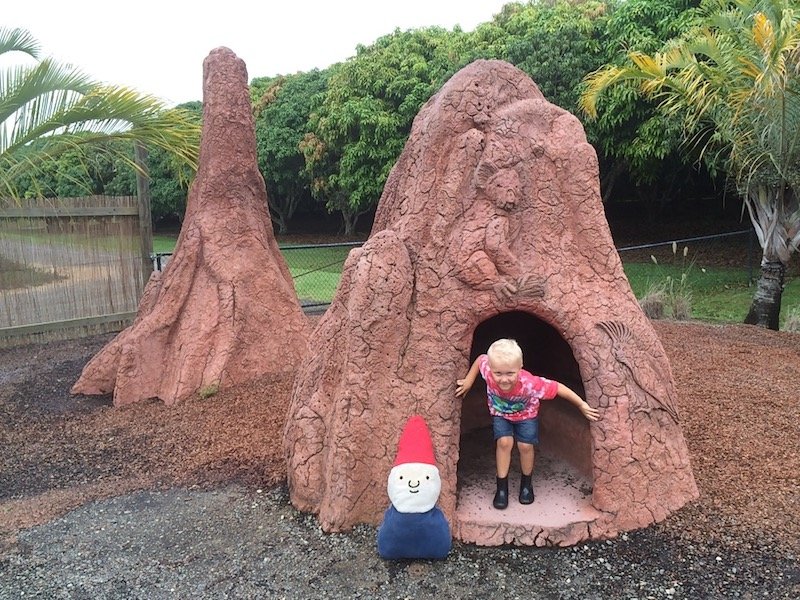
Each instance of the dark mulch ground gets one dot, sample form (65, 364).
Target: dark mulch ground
(739, 390)
(739, 395)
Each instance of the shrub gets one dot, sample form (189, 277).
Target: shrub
(654, 301)
(208, 391)
(680, 303)
(792, 322)
(670, 298)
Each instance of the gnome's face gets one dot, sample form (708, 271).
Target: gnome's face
(414, 487)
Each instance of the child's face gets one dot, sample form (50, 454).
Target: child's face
(505, 373)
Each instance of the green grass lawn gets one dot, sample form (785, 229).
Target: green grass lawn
(719, 295)
(164, 243)
(316, 271)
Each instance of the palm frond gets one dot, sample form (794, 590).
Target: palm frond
(48, 108)
(602, 79)
(47, 83)
(18, 40)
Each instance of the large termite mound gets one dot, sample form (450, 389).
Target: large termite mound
(225, 309)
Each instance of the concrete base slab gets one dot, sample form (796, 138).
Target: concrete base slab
(560, 514)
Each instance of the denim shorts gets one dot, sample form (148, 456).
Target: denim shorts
(525, 431)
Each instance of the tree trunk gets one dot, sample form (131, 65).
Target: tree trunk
(610, 178)
(282, 212)
(280, 221)
(766, 306)
(349, 222)
(773, 211)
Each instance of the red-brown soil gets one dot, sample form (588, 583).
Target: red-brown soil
(739, 394)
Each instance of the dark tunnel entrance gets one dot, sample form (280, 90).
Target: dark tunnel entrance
(563, 457)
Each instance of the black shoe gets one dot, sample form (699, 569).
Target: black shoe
(501, 496)
(526, 490)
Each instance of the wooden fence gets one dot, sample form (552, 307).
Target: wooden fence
(71, 267)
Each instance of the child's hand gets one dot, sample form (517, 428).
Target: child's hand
(590, 413)
(465, 384)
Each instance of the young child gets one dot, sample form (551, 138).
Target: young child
(513, 395)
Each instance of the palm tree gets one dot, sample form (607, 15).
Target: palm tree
(47, 108)
(734, 79)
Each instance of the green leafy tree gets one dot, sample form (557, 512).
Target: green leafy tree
(734, 80)
(106, 168)
(559, 42)
(637, 140)
(170, 176)
(282, 108)
(70, 174)
(556, 43)
(92, 170)
(168, 179)
(361, 125)
(47, 109)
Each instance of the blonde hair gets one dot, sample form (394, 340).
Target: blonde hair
(505, 351)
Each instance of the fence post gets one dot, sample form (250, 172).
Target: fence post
(145, 219)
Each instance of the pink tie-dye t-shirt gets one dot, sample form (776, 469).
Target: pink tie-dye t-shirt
(523, 401)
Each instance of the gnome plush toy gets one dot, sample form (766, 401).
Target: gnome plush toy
(413, 526)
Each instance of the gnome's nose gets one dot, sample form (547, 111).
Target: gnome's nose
(413, 487)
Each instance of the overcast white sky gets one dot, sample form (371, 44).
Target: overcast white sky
(158, 46)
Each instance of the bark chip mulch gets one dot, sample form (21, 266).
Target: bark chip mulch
(738, 387)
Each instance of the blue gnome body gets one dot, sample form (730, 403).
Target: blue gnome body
(413, 526)
(414, 535)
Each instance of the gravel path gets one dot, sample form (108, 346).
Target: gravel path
(239, 543)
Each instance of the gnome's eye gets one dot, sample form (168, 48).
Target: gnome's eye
(401, 477)
(427, 476)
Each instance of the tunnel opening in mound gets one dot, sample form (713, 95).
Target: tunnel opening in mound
(562, 477)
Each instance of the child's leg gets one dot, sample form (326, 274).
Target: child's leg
(504, 443)
(528, 436)
(526, 457)
(503, 459)
(503, 454)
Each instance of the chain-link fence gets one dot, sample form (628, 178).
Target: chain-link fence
(315, 268)
(734, 257)
(737, 251)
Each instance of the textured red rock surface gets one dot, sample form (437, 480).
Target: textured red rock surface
(490, 225)
(225, 310)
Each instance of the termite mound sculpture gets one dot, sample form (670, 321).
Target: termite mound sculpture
(490, 225)
(224, 311)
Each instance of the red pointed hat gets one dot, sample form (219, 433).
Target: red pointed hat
(415, 444)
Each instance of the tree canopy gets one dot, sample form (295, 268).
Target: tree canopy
(282, 109)
(364, 118)
(733, 81)
(327, 139)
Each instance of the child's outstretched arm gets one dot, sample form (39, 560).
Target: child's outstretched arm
(590, 413)
(464, 385)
